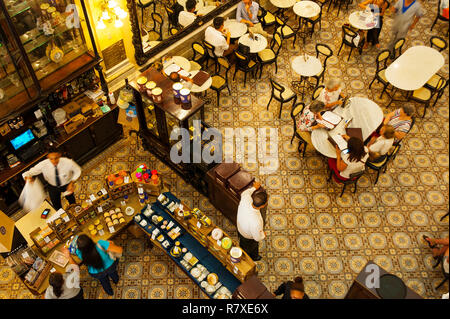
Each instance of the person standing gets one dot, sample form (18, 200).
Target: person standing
(250, 223)
(407, 14)
(60, 173)
(247, 12)
(292, 289)
(378, 8)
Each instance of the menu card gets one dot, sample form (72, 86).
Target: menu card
(200, 78)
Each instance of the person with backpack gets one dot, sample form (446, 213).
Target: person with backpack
(101, 258)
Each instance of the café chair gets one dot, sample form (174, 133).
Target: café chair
(211, 55)
(173, 30)
(285, 30)
(398, 48)
(200, 55)
(352, 180)
(244, 64)
(339, 4)
(266, 18)
(144, 4)
(425, 95)
(316, 92)
(380, 75)
(348, 37)
(170, 16)
(316, 20)
(269, 56)
(156, 32)
(220, 82)
(433, 81)
(438, 43)
(297, 109)
(439, 16)
(324, 52)
(282, 94)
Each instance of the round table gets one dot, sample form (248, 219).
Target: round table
(365, 114)
(237, 29)
(256, 45)
(204, 87)
(182, 62)
(312, 66)
(306, 9)
(362, 20)
(205, 10)
(283, 4)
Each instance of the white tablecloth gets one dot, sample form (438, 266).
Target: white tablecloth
(312, 66)
(237, 29)
(182, 62)
(284, 4)
(362, 20)
(306, 9)
(256, 45)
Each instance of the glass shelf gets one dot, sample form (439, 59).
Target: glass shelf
(18, 9)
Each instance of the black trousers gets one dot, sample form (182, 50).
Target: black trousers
(250, 246)
(374, 34)
(55, 195)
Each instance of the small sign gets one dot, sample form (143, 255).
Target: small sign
(100, 209)
(123, 203)
(111, 229)
(47, 239)
(25, 255)
(235, 269)
(114, 54)
(140, 190)
(52, 270)
(92, 197)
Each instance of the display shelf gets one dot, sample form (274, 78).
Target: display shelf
(24, 6)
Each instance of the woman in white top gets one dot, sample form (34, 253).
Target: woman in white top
(351, 160)
(380, 146)
(332, 93)
(65, 286)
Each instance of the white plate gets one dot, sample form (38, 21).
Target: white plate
(172, 68)
(186, 74)
(129, 211)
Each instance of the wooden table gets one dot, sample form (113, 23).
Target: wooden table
(365, 114)
(256, 45)
(236, 29)
(362, 20)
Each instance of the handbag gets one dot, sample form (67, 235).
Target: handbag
(113, 254)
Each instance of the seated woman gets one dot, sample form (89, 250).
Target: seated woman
(351, 160)
(307, 120)
(380, 146)
(292, 289)
(401, 120)
(332, 93)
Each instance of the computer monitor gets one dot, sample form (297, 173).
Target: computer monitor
(22, 139)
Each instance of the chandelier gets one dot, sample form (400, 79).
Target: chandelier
(111, 12)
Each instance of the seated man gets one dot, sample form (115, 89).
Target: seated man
(216, 37)
(247, 12)
(187, 17)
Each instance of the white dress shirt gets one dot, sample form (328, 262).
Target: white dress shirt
(382, 145)
(216, 39)
(185, 18)
(249, 220)
(68, 171)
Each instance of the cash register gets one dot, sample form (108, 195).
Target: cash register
(26, 146)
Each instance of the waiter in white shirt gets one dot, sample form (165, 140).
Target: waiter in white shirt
(188, 16)
(250, 223)
(60, 173)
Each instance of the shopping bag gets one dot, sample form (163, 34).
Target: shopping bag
(32, 196)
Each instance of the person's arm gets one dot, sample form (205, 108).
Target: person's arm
(341, 166)
(364, 4)
(388, 117)
(239, 13)
(36, 170)
(280, 290)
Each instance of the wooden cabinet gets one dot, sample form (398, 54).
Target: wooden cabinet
(80, 145)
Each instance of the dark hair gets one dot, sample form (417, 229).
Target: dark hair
(174, 76)
(190, 5)
(53, 149)
(356, 149)
(218, 22)
(89, 252)
(298, 284)
(56, 280)
(158, 66)
(259, 198)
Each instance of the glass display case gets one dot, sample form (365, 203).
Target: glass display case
(41, 43)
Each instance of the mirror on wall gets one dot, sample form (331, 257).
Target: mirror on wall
(157, 24)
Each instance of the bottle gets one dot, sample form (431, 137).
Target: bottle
(112, 98)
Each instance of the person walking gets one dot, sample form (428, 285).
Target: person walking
(407, 14)
(250, 223)
(378, 8)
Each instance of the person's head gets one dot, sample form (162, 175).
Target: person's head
(190, 5)
(297, 288)
(56, 280)
(409, 110)
(247, 2)
(174, 76)
(54, 155)
(218, 23)
(356, 149)
(333, 84)
(387, 131)
(317, 106)
(89, 252)
(259, 199)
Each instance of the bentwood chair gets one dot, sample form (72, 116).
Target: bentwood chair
(339, 4)
(348, 38)
(323, 52)
(424, 95)
(433, 82)
(381, 163)
(171, 17)
(200, 55)
(269, 56)
(352, 180)
(285, 30)
(244, 64)
(266, 17)
(144, 4)
(211, 54)
(398, 48)
(438, 43)
(297, 109)
(439, 16)
(317, 19)
(282, 94)
(173, 30)
(156, 32)
(380, 75)
(220, 82)
(316, 92)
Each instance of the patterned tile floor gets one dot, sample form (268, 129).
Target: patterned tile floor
(310, 230)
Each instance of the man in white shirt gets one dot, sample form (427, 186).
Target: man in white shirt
(60, 173)
(188, 16)
(216, 37)
(250, 223)
(247, 12)
(380, 146)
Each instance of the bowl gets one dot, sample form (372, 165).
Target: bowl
(129, 211)
(217, 234)
(195, 272)
(226, 243)
(212, 279)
